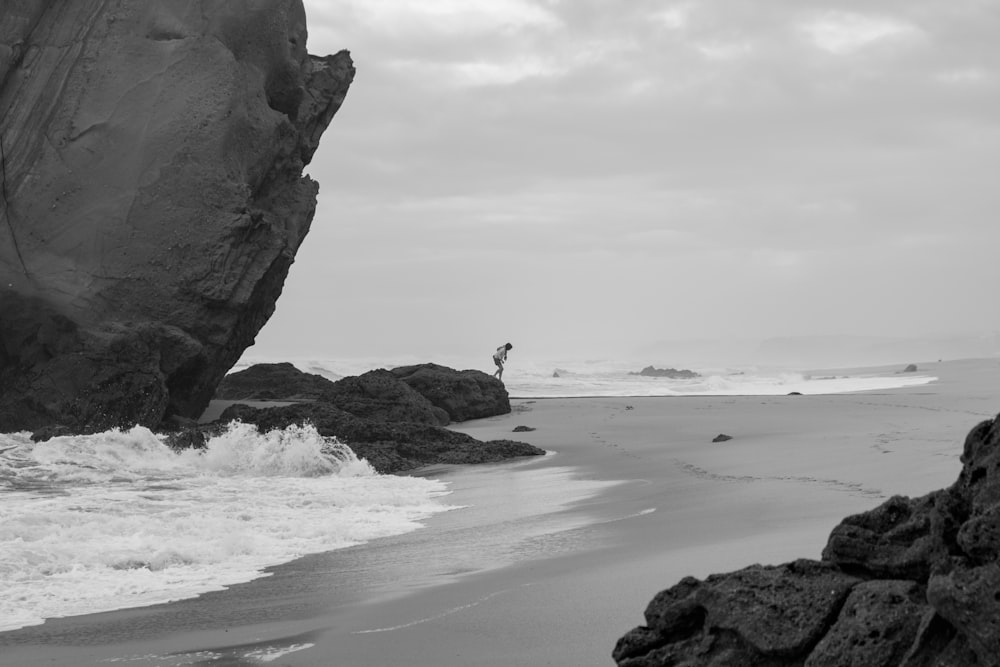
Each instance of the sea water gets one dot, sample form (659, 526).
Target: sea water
(119, 519)
(528, 377)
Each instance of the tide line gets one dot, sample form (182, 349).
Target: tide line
(444, 614)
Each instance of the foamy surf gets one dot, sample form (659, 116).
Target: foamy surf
(118, 519)
(536, 378)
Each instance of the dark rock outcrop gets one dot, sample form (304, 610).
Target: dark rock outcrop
(281, 381)
(911, 583)
(722, 437)
(468, 394)
(674, 373)
(381, 395)
(911, 368)
(153, 198)
(389, 446)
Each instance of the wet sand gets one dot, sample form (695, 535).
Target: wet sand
(553, 558)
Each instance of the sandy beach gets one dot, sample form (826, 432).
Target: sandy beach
(548, 561)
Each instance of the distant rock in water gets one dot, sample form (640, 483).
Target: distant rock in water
(911, 583)
(650, 371)
(912, 368)
(722, 437)
(270, 382)
(153, 199)
(523, 429)
(555, 374)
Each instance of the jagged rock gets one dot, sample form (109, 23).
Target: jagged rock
(281, 381)
(682, 374)
(468, 394)
(902, 538)
(923, 576)
(523, 429)
(381, 395)
(911, 368)
(876, 627)
(153, 198)
(756, 614)
(389, 446)
(722, 437)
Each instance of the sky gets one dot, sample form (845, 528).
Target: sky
(581, 177)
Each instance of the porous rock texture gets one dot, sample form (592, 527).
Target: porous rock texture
(153, 197)
(911, 583)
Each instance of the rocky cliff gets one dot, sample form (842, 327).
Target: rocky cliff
(912, 583)
(152, 197)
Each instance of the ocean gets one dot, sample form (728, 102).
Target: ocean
(118, 519)
(573, 378)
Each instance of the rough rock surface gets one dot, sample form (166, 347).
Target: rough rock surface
(272, 381)
(911, 583)
(379, 394)
(389, 446)
(468, 394)
(153, 197)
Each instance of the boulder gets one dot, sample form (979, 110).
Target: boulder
(912, 368)
(911, 583)
(683, 374)
(463, 395)
(722, 437)
(153, 198)
(281, 381)
(381, 395)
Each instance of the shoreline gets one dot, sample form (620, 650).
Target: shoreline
(657, 501)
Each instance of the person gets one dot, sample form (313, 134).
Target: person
(499, 357)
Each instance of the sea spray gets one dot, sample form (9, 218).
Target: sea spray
(527, 377)
(118, 519)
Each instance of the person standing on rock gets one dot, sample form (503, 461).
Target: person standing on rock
(499, 357)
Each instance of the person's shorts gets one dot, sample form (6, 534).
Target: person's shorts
(496, 360)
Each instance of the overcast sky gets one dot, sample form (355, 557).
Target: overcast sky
(585, 176)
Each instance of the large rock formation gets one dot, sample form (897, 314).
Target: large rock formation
(394, 419)
(423, 393)
(912, 583)
(152, 197)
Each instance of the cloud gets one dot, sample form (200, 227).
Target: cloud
(844, 33)
(450, 17)
(724, 157)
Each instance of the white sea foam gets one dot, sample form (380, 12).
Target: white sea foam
(118, 519)
(526, 377)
